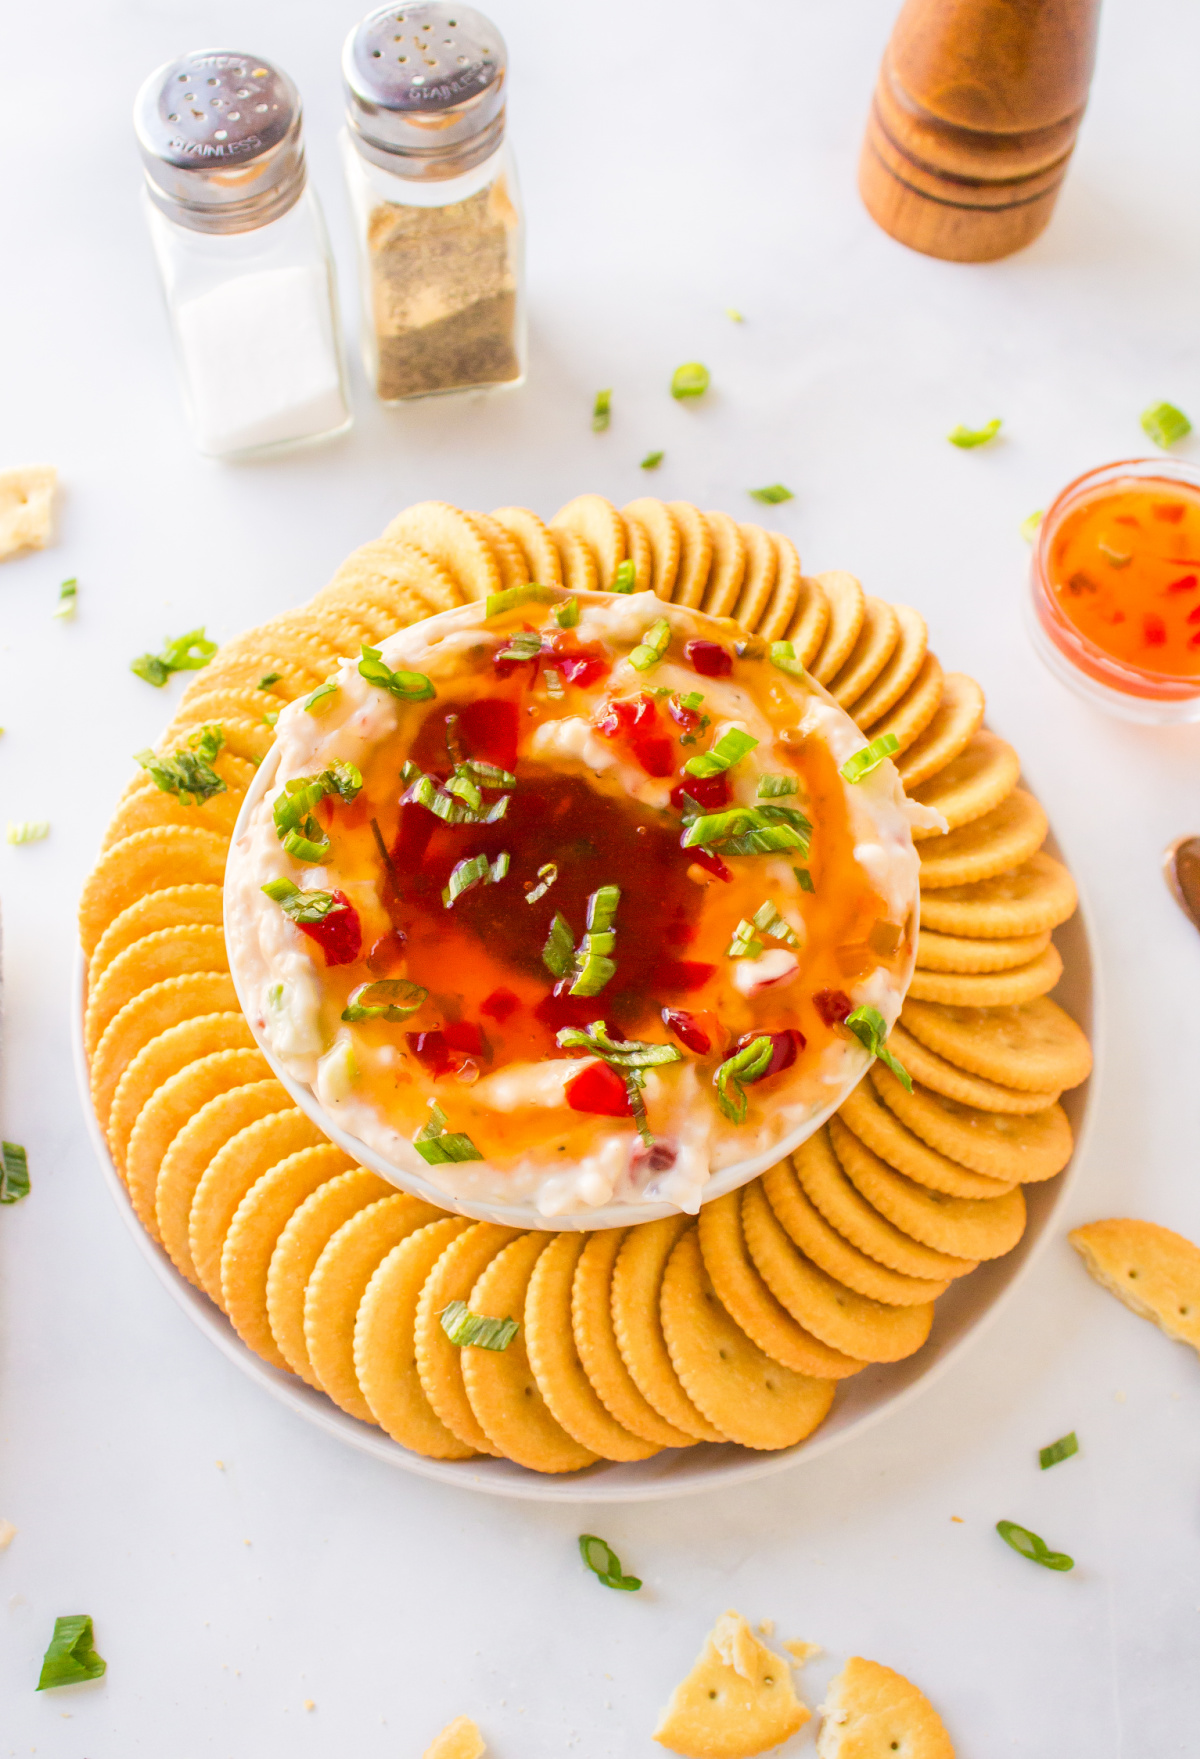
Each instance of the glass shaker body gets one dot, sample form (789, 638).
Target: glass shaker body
(434, 194)
(242, 253)
(254, 322)
(441, 269)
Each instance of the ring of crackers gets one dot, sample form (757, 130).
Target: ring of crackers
(661, 1335)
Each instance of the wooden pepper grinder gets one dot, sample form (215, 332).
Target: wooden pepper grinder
(973, 122)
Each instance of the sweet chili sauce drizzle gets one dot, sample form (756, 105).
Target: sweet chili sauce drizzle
(1124, 569)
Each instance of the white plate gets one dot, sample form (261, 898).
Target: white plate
(959, 1318)
(863, 1401)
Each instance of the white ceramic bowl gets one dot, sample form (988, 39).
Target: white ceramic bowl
(510, 1215)
(861, 1401)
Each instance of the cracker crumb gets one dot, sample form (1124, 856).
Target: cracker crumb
(7, 1534)
(766, 1627)
(1119, 1397)
(26, 508)
(801, 1652)
(309, 1704)
(220, 1465)
(957, 1518)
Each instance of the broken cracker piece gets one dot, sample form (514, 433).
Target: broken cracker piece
(870, 1712)
(26, 508)
(459, 1739)
(802, 1652)
(1154, 1272)
(737, 1701)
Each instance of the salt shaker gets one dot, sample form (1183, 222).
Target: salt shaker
(434, 193)
(242, 250)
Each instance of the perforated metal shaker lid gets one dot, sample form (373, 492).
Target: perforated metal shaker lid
(425, 87)
(220, 139)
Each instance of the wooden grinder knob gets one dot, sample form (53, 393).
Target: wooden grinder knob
(973, 121)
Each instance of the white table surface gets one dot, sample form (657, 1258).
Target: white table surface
(676, 160)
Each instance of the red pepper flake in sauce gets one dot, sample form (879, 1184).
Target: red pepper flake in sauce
(634, 720)
(785, 1047)
(339, 934)
(599, 1089)
(833, 1005)
(689, 1030)
(708, 658)
(500, 1005)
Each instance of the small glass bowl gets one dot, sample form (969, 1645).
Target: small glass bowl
(1121, 689)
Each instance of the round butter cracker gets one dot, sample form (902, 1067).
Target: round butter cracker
(253, 1235)
(385, 1357)
(1028, 899)
(975, 1227)
(807, 1227)
(636, 1285)
(1004, 837)
(990, 989)
(752, 1398)
(949, 952)
(750, 1303)
(899, 673)
(501, 1385)
(869, 1330)
(983, 774)
(1035, 1045)
(338, 1283)
(947, 1078)
(865, 1115)
(193, 1149)
(1000, 1145)
(439, 1362)
(550, 1344)
(147, 861)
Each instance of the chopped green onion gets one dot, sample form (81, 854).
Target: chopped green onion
(404, 686)
(1164, 424)
(1062, 1449)
(633, 1053)
(968, 437)
(186, 653)
(734, 315)
(689, 380)
(601, 411)
(1030, 524)
(389, 998)
(567, 615)
(748, 1064)
(869, 1027)
(652, 647)
(68, 593)
(559, 950)
(547, 876)
(318, 702)
(514, 596)
(803, 878)
(438, 1148)
(594, 966)
(553, 683)
(774, 787)
(300, 906)
(869, 758)
(767, 920)
(452, 802)
(188, 772)
(1031, 1546)
(745, 943)
(749, 830)
(623, 579)
(603, 1561)
(692, 700)
(71, 1656)
(773, 494)
(1114, 558)
(14, 1172)
(783, 655)
(271, 717)
(526, 644)
(299, 832)
(652, 460)
(467, 1329)
(473, 872)
(30, 830)
(731, 747)
(269, 678)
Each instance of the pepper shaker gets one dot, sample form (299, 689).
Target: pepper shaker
(242, 252)
(434, 193)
